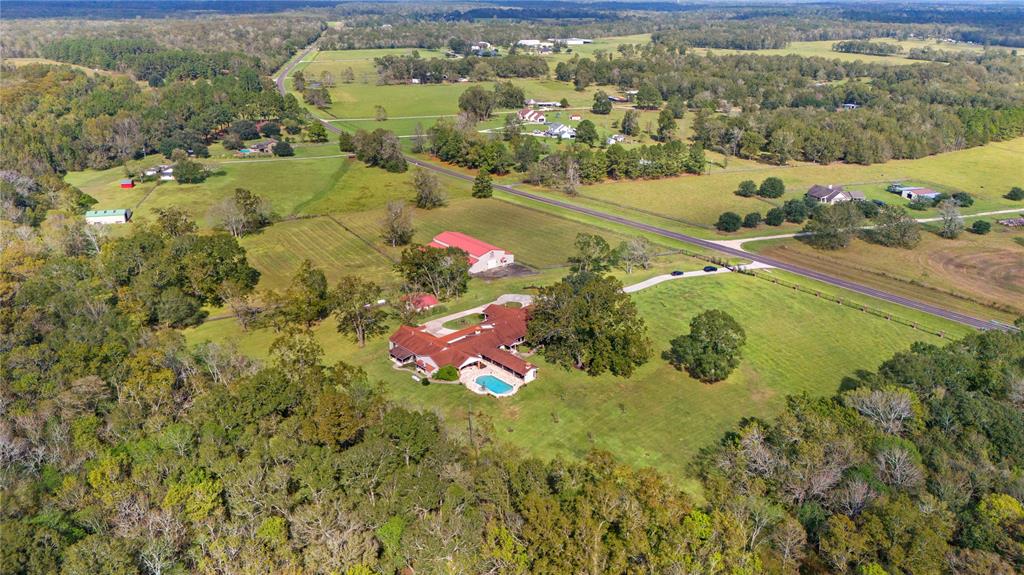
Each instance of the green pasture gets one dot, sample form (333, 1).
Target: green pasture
(823, 49)
(537, 238)
(986, 172)
(607, 45)
(354, 101)
(317, 181)
(660, 417)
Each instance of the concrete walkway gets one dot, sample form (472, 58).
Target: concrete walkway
(436, 326)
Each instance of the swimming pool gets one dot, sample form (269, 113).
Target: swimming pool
(494, 385)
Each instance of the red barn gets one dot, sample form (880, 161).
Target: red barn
(129, 183)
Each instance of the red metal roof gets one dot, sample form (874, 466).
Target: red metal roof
(420, 301)
(469, 244)
(503, 327)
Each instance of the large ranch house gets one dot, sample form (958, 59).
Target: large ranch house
(484, 355)
(482, 255)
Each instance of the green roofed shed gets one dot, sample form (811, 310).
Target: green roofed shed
(118, 216)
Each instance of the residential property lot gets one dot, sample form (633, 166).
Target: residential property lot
(660, 417)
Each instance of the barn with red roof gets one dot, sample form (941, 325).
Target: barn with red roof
(482, 255)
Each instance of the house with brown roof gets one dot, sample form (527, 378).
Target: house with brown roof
(831, 194)
(492, 343)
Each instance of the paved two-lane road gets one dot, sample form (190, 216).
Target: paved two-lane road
(707, 244)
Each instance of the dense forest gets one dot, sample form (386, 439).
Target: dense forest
(101, 121)
(269, 39)
(821, 110)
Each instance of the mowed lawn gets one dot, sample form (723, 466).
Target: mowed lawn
(660, 417)
(986, 172)
(983, 275)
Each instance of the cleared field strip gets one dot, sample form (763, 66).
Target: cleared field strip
(278, 251)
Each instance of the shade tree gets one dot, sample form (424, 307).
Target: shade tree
(442, 272)
(587, 322)
(712, 349)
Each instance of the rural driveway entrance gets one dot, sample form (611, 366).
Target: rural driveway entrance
(436, 326)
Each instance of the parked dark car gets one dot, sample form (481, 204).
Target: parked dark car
(878, 203)
(710, 269)
(676, 273)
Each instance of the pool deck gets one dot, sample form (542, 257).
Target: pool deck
(469, 374)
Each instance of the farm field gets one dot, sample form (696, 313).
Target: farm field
(278, 250)
(19, 62)
(660, 417)
(986, 172)
(606, 44)
(823, 49)
(983, 275)
(359, 100)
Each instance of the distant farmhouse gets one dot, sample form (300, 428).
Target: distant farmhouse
(914, 193)
(615, 139)
(482, 255)
(99, 217)
(164, 172)
(571, 41)
(833, 194)
(556, 130)
(528, 116)
(484, 49)
(536, 45)
(542, 104)
(486, 348)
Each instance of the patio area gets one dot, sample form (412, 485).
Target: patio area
(468, 377)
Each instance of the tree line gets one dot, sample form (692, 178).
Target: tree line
(396, 69)
(147, 61)
(272, 40)
(867, 47)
